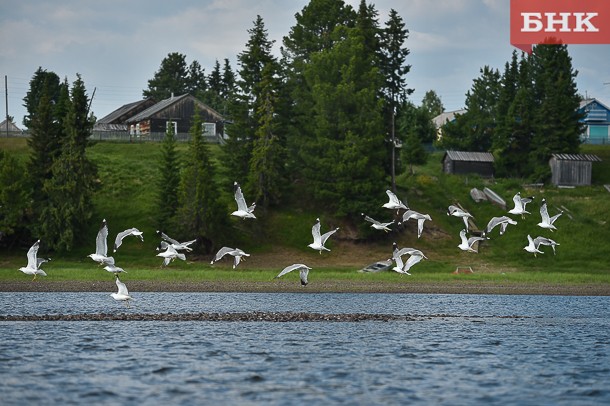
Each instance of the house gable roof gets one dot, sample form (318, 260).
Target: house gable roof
(11, 127)
(123, 113)
(446, 116)
(156, 110)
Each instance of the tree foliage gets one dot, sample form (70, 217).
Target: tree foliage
(169, 181)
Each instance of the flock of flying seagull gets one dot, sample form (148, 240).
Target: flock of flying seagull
(171, 249)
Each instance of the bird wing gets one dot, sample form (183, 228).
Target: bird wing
(32, 255)
(472, 240)
(122, 288)
(370, 219)
(119, 237)
(101, 246)
(525, 201)
(168, 238)
(222, 252)
(187, 243)
(291, 268)
(420, 226)
(413, 259)
(393, 198)
(544, 213)
(517, 201)
(555, 217)
(463, 237)
(325, 236)
(409, 214)
(239, 199)
(315, 232)
(40, 261)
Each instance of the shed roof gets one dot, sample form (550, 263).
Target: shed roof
(577, 157)
(467, 156)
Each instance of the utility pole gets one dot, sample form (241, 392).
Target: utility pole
(6, 99)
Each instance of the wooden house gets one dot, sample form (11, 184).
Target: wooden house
(179, 111)
(462, 162)
(596, 120)
(116, 121)
(444, 118)
(572, 169)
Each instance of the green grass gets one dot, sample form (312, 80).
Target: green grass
(126, 198)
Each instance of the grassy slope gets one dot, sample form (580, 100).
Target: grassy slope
(128, 173)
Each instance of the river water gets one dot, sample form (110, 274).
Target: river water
(458, 350)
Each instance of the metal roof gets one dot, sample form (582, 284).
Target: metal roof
(469, 156)
(577, 157)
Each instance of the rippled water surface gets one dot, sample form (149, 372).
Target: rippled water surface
(463, 349)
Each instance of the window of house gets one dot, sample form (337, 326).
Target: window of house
(209, 129)
(171, 123)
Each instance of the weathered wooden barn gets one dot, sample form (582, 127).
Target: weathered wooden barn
(463, 162)
(572, 169)
(179, 111)
(116, 120)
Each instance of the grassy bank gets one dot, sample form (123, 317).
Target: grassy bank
(128, 173)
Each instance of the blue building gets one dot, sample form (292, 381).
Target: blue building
(596, 120)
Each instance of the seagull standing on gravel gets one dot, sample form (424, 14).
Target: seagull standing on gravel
(455, 211)
(33, 266)
(412, 214)
(123, 294)
(304, 271)
(178, 246)
(243, 210)
(320, 240)
(520, 203)
(394, 202)
(170, 254)
(101, 246)
(502, 221)
(547, 222)
(532, 247)
(538, 241)
(467, 243)
(119, 237)
(377, 225)
(235, 252)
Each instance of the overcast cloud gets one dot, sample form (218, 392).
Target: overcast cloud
(117, 46)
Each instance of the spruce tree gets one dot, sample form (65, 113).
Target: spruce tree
(169, 169)
(172, 77)
(14, 196)
(72, 184)
(200, 214)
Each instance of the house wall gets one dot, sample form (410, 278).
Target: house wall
(570, 173)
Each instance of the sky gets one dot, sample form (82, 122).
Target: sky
(118, 45)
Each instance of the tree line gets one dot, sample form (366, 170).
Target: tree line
(329, 122)
(522, 115)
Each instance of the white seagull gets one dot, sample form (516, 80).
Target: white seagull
(178, 246)
(412, 214)
(467, 243)
(235, 252)
(170, 254)
(406, 251)
(123, 294)
(377, 225)
(538, 241)
(119, 237)
(304, 271)
(520, 203)
(320, 240)
(101, 246)
(547, 222)
(532, 247)
(394, 203)
(33, 266)
(404, 267)
(243, 210)
(114, 269)
(455, 211)
(502, 221)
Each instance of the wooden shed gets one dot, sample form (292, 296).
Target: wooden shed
(462, 162)
(572, 169)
